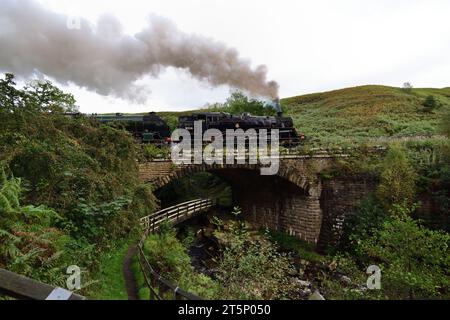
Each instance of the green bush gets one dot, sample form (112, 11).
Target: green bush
(301, 248)
(361, 223)
(151, 151)
(397, 179)
(430, 103)
(251, 267)
(170, 258)
(415, 261)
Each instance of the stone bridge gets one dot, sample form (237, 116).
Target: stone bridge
(296, 200)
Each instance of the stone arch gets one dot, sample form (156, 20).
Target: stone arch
(172, 173)
(287, 201)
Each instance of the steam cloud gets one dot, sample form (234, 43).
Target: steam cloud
(103, 59)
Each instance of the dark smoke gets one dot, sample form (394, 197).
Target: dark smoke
(103, 59)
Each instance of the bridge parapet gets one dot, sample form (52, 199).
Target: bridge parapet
(292, 167)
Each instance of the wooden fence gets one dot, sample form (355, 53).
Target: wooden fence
(161, 288)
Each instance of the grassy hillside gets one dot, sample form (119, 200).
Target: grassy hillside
(365, 114)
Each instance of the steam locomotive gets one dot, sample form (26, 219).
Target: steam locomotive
(222, 121)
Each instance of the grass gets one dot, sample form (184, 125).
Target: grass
(143, 290)
(365, 114)
(301, 248)
(110, 283)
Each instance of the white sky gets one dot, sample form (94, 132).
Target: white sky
(308, 46)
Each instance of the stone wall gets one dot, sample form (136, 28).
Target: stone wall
(338, 197)
(276, 203)
(152, 171)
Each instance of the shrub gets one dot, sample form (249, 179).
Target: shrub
(397, 179)
(152, 151)
(361, 224)
(251, 267)
(170, 258)
(414, 260)
(430, 103)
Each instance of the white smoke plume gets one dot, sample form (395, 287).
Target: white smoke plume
(103, 59)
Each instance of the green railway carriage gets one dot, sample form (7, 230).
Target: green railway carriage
(148, 128)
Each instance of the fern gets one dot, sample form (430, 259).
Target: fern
(41, 215)
(12, 193)
(10, 190)
(5, 205)
(8, 249)
(2, 175)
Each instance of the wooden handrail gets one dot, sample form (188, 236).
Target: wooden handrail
(21, 287)
(151, 223)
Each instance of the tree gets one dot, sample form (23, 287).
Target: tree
(10, 97)
(37, 95)
(239, 103)
(397, 179)
(407, 87)
(429, 104)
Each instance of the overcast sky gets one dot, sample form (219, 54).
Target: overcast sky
(308, 46)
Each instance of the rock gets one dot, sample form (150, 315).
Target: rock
(333, 265)
(346, 280)
(304, 262)
(316, 296)
(306, 292)
(304, 284)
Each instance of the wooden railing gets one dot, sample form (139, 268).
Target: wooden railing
(161, 288)
(20, 287)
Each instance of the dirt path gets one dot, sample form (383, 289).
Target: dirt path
(130, 282)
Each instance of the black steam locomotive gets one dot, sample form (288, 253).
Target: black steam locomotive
(222, 121)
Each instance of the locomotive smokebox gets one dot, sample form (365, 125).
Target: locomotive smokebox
(277, 106)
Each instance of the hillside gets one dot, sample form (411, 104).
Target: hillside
(366, 113)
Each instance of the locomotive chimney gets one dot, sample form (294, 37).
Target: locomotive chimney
(277, 106)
